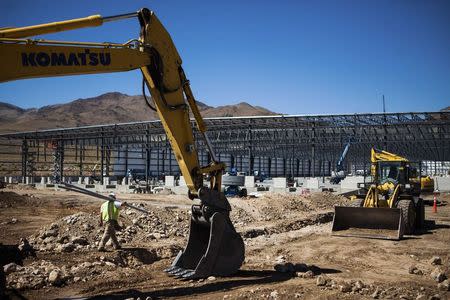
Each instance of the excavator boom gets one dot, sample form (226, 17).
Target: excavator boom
(214, 247)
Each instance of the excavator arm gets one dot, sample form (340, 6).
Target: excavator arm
(214, 247)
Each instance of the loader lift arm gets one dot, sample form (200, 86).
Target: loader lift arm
(214, 247)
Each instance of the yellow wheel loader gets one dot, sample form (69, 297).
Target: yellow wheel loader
(391, 205)
(214, 247)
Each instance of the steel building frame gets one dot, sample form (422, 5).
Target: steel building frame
(298, 145)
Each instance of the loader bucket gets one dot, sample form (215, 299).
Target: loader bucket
(375, 223)
(214, 248)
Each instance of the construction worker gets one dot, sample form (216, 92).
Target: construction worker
(109, 214)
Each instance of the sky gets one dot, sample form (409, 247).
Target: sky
(292, 57)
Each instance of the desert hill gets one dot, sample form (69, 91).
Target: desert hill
(108, 108)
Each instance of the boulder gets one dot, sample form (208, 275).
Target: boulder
(10, 268)
(307, 274)
(345, 287)
(80, 240)
(438, 275)
(55, 277)
(444, 285)
(49, 233)
(321, 280)
(436, 260)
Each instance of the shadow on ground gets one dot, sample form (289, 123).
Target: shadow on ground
(241, 279)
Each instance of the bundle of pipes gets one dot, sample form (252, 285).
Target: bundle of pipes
(77, 189)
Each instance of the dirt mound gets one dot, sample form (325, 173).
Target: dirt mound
(81, 232)
(277, 206)
(12, 199)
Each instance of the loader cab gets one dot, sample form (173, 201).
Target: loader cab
(391, 171)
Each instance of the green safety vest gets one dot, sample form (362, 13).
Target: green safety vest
(109, 211)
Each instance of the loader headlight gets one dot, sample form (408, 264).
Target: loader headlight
(407, 186)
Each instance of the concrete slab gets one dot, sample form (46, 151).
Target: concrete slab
(312, 183)
(169, 181)
(249, 182)
(279, 183)
(442, 184)
(351, 182)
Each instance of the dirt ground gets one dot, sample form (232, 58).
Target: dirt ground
(289, 251)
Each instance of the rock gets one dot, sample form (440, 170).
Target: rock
(49, 240)
(438, 275)
(274, 294)
(435, 297)
(359, 285)
(63, 239)
(76, 279)
(376, 294)
(80, 240)
(211, 278)
(85, 265)
(10, 268)
(421, 297)
(414, 270)
(149, 298)
(24, 246)
(55, 277)
(321, 280)
(345, 287)
(87, 227)
(110, 264)
(280, 259)
(49, 232)
(307, 274)
(67, 247)
(405, 297)
(444, 285)
(13, 221)
(436, 260)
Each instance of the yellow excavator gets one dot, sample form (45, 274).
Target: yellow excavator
(391, 206)
(214, 247)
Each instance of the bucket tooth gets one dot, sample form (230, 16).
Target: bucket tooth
(170, 269)
(189, 275)
(174, 271)
(180, 272)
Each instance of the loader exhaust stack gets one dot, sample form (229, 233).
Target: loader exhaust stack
(214, 247)
(376, 223)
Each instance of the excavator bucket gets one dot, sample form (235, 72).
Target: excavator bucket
(214, 248)
(375, 223)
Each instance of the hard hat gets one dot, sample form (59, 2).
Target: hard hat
(112, 195)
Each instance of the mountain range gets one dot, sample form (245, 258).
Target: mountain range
(109, 108)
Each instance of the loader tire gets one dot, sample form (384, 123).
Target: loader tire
(420, 214)
(357, 203)
(408, 215)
